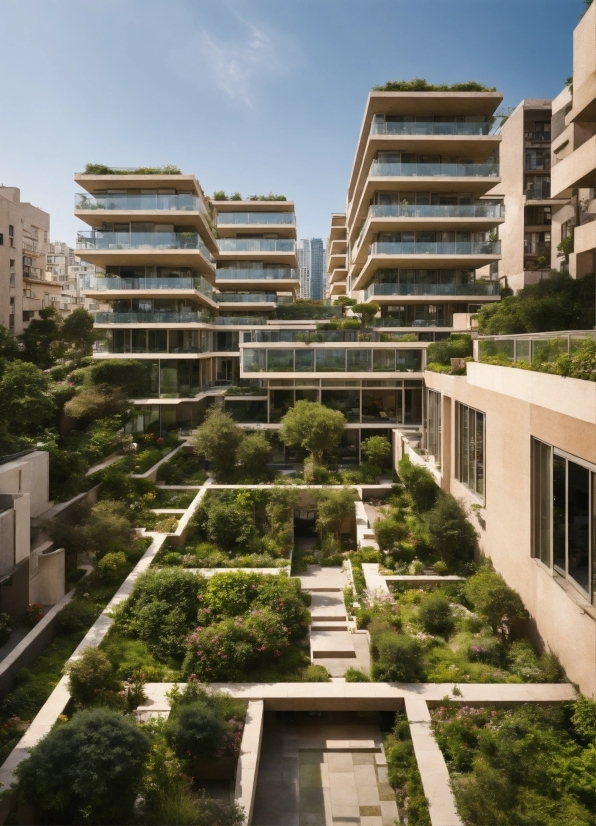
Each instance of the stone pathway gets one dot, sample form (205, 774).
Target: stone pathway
(329, 771)
(333, 643)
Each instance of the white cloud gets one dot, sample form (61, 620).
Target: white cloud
(238, 64)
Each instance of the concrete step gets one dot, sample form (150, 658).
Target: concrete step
(328, 625)
(332, 644)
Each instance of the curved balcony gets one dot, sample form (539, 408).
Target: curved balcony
(259, 218)
(380, 169)
(474, 288)
(143, 202)
(256, 245)
(429, 127)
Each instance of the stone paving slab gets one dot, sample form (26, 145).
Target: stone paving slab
(328, 605)
(331, 644)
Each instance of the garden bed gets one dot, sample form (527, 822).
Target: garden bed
(182, 469)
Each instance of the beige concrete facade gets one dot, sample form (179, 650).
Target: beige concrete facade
(574, 149)
(520, 406)
(24, 230)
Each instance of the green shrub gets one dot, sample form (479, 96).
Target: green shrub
(494, 600)
(87, 770)
(172, 558)
(75, 616)
(113, 567)
(196, 730)
(436, 615)
(398, 658)
(5, 628)
(403, 774)
(449, 531)
(389, 532)
(353, 675)
(316, 674)
(419, 483)
(92, 680)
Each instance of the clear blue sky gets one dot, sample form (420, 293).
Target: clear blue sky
(250, 95)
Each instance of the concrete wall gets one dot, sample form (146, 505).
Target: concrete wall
(29, 474)
(520, 405)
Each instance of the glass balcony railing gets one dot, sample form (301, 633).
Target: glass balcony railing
(305, 336)
(538, 192)
(130, 202)
(412, 322)
(122, 240)
(225, 219)
(435, 248)
(429, 127)
(245, 298)
(272, 274)
(437, 211)
(473, 288)
(188, 317)
(313, 360)
(90, 282)
(537, 248)
(380, 169)
(256, 245)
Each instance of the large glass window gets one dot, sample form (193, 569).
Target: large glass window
(470, 464)
(346, 401)
(358, 361)
(280, 401)
(329, 361)
(280, 361)
(305, 361)
(408, 361)
(254, 361)
(379, 405)
(433, 425)
(412, 413)
(563, 515)
(384, 360)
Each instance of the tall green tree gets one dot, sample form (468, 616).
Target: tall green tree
(25, 398)
(313, 427)
(40, 338)
(334, 507)
(78, 334)
(218, 440)
(366, 311)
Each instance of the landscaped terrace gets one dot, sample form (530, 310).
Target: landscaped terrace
(570, 353)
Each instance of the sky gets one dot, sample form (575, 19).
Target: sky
(254, 96)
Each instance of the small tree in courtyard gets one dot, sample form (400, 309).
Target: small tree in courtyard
(313, 427)
(218, 440)
(333, 508)
(449, 530)
(254, 452)
(366, 311)
(377, 450)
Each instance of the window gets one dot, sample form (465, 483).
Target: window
(12, 273)
(11, 235)
(563, 514)
(470, 470)
(433, 425)
(1, 239)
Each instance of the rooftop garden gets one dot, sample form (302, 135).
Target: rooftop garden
(220, 195)
(419, 84)
(101, 169)
(571, 357)
(440, 353)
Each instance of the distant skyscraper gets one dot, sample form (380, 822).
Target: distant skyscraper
(311, 265)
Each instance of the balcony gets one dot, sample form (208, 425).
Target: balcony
(474, 288)
(325, 360)
(129, 202)
(34, 273)
(437, 211)
(429, 127)
(29, 246)
(259, 218)
(537, 137)
(189, 317)
(246, 298)
(304, 336)
(380, 169)
(270, 274)
(435, 248)
(256, 245)
(93, 284)
(537, 248)
(114, 240)
(415, 322)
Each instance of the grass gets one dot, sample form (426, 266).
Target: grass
(132, 656)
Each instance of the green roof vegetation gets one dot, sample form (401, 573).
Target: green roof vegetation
(558, 302)
(419, 84)
(220, 195)
(101, 169)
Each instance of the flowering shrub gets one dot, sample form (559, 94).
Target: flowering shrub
(34, 614)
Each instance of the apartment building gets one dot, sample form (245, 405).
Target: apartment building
(418, 225)
(337, 251)
(525, 190)
(24, 231)
(63, 267)
(573, 170)
(311, 266)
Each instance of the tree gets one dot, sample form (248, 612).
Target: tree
(314, 427)
(254, 452)
(196, 730)
(98, 402)
(40, 337)
(458, 345)
(494, 600)
(92, 679)
(366, 311)
(77, 331)
(377, 450)
(389, 532)
(398, 658)
(334, 507)
(132, 376)
(230, 525)
(25, 398)
(9, 349)
(88, 770)
(419, 483)
(218, 440)
(449, 530)
(107, 529)
(280, 507)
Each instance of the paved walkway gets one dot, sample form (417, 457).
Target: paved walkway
(333, 642)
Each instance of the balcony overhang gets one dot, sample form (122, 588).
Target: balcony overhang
(252, 206)
(285, 259)
(190, 258)
(99, 183)
(338, 274)
(183, 218)
(375, 225)
(584, 238)
(106, 296)
(476, 185)
(336, 261)
(577, 170)
(419, 262)
(428, 298)
(337, 288)
(337, 231)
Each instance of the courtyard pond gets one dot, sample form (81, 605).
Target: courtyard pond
(527, 765)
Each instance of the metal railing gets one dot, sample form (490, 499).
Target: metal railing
(537, 137)
(123, 240)
(435, 248)
(232, 218)
(530, 346)
(434, 170)
(256, 245)
(473, 288)
(182, 202)
(272, 274)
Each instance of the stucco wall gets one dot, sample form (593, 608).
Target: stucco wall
(520, 405)
(29, 474)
